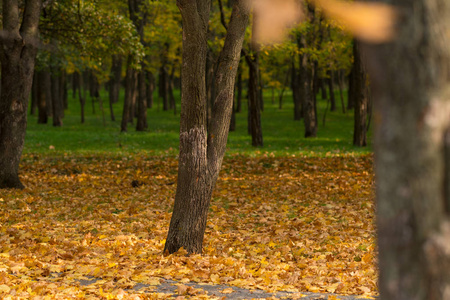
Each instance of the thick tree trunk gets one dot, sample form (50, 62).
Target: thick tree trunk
(410, 78)
(361, 99)
(17, 57)
(200, 156)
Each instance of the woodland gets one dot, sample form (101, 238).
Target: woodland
(264, 145)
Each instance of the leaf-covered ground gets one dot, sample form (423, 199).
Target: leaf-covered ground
(275, 223)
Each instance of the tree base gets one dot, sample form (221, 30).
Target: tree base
(11, 183)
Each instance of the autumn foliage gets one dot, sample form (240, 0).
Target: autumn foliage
(275, 223)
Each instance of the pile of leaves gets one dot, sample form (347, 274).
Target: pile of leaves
(275, 223)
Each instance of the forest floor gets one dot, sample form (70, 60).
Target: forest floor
(295, 224)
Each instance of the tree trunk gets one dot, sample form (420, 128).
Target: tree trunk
(410, 77)
(34, 94)
(17, 57)
(141, 124)
(57, 104)
(43, 96)
(63, 90)
(114, 81)
(239, 91)
(81, 96)
(351, 88)
(163, 87)
(200, 156)
(295, 86)
(130, 82)
(306, 78)
(254, 102)
(361, 99)
(150, 88)
(331, 89)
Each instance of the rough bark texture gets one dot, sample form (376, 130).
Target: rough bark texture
(411, 82)
(200, 154)
(361, 98)
(17, 56)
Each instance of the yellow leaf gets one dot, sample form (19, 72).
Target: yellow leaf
(4, 289)
(227, 291)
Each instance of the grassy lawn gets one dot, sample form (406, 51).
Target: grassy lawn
(282, 135)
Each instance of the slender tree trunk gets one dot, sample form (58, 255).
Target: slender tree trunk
(163, 87)
(81, 96)
(150, 88)
(114, 82)
(63, 90)
(201, 156)
(331, 89)
(43, 96)
(351, 88)
(411, 78)
(361, 99)
(141, 124)
(17, 57)
(306, 78)
(254, 103)
(239, 90)
(295, 86)
(130, 82)
(34, 94)
(57, 104)
(341, 89)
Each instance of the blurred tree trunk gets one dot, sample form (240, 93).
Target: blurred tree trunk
(331, 89)
(361, 98)
(239, 90)
(295, 86)
(201, 153)
(17, 57)
(150, 88)
(410, 77)
(115, 83)
(43, 95)
(34, 94)
(306, 91)
(57, 102)
(130, 90)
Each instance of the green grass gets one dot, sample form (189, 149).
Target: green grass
(282, 135)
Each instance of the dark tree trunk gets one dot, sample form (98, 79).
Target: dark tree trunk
(44, 95)
(410, 77)
(254, 102)
(17, 57)
(361, 99)
(296, 91)
(341, 88)
(46, 84)
(34, 94)
(115, 80)
(200, 156)
(75, 84)
(81, 96)
(173, 104)
(141, 124)
(63, 90)
(150, 88)
(57, 104)
(130, 83)
(233, 118)
(239, 91)
(163, 87)
(331, 89)
(323, 89)
(306, 78)
(351, 88)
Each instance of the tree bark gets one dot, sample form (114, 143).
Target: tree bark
(43, 96)
(410, 77)
(130, 87)
(295, 86)
(57, 104)
(17, 57)
(239, 90)
(141, 124)
(306, 78)
(34, 94)
(201, 156)
(361, 99)
(254, 102)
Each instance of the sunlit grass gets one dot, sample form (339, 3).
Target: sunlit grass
(282, 135)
